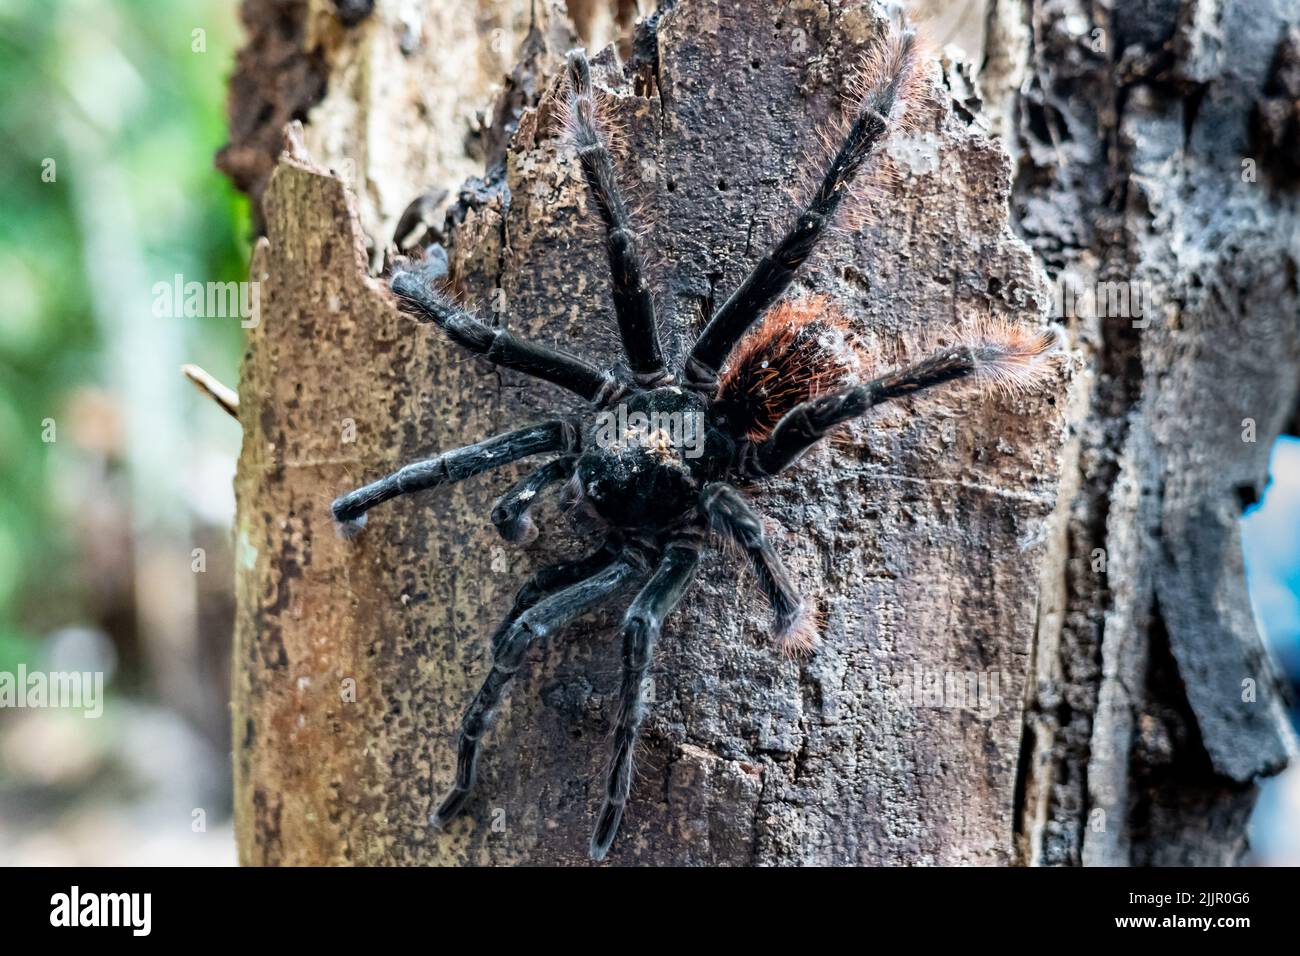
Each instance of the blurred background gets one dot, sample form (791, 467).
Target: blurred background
(115, 481)
(116, 477)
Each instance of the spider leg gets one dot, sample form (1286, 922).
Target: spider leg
(418, 297)
(633, 303)
(769, 278)
(552, 578)
(516, 635)
(456, 465)
(510, 515)
(641, 626)
(732, 517)
(542, 584)
(804, 425)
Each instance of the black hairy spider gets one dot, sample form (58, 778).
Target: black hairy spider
(658, 466)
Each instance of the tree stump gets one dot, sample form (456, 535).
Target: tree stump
(948, 571)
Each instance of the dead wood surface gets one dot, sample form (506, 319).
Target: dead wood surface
(933, 538)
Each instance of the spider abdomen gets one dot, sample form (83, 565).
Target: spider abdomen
(802, 349)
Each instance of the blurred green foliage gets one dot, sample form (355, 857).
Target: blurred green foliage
(138, 86)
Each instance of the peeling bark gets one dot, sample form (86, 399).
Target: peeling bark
(277, 79)
(932, 538)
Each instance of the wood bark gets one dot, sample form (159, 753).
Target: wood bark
(952, 579)
(1143, 165)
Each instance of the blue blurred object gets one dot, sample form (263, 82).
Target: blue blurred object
(1271, 547)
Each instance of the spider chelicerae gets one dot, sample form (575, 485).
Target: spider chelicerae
(656, 469)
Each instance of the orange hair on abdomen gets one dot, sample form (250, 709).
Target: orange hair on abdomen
(800, 350)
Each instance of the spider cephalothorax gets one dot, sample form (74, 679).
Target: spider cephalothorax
(655, 469)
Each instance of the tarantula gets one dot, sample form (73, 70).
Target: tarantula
(657, 467)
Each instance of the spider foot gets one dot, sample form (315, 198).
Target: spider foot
(796, 632)
(611, 815)
(521, 531)
(349, 529)
(451, 806)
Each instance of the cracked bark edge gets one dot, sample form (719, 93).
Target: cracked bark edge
(276, 81)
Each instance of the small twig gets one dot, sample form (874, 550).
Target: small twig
(209, 386)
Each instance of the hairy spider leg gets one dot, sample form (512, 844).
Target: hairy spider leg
(773, 273)
(551, 578)
(641, 626)
(731, 516)
(552, 613)
(542, 584)
(456, 465)
(417, 297)
(806, 424)
(634, 304)
(510, 514)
